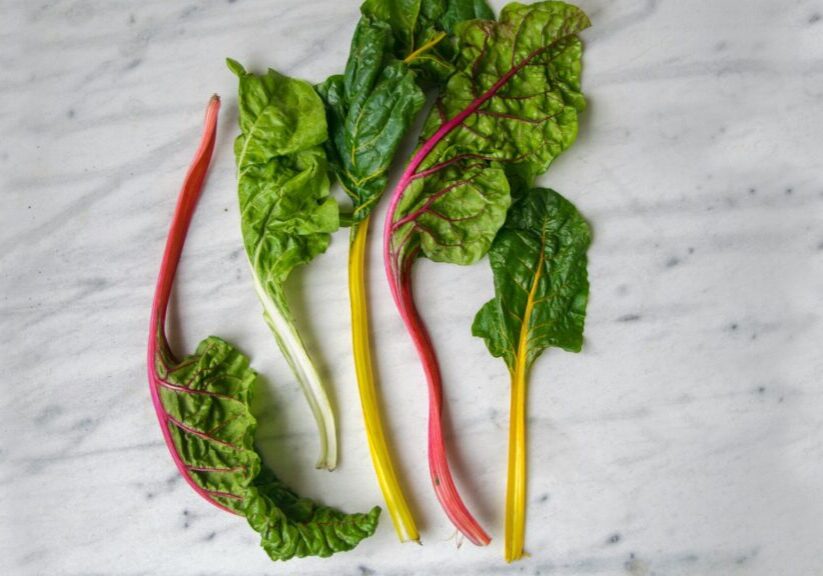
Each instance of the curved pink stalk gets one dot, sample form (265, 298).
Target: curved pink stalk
(398, 260)
(439, 470)
(183, 212)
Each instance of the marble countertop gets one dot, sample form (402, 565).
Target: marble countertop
(687, 437)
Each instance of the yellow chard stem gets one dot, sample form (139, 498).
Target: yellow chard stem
(425, 47)
(516, 483)
(392, 493)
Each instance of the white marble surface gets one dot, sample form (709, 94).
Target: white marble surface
(687, 439)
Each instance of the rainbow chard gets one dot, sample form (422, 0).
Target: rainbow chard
(202, 403)
(541, 289)
(396, 48)
(510, 107)
(287, 215)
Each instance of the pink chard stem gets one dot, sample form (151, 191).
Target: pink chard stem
(398, 259)
(444, 486)
(158, 345)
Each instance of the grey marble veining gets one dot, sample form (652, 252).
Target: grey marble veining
(687, 438)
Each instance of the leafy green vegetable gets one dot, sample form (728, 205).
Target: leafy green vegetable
(398, 47)
(370, 109)
(419, 28)
(507, 111)
(202, 404)
(539, 264)
(541, 290)
(206, 397)
(287, 215)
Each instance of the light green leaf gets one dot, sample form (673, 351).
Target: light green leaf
(207, 397)
(540, 280)
(287, 215)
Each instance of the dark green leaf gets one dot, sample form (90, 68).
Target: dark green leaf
(418, 24)
(370, 108)
(540, 280)
(446, 14)
(207, 397)
(401, 16)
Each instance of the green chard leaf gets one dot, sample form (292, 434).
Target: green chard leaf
(206, 397)
(507, 112)
(419, 28)
(369, 110)
(287, 214)
(283, 184)
(540, 280)
(398, 48)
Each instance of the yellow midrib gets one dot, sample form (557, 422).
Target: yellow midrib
(516, 482)
(381, 459)
(427, 46)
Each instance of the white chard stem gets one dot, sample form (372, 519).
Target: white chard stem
(293, 348)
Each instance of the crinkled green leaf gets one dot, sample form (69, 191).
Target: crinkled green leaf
(287, 215)
(448, 13)
(455, 212)
(420, 23)
(370, 108)
(207, 397)
(517, 90)
(539, 265)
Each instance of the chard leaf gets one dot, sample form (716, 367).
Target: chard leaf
(401, 16)
(396, 48)
(206, 398)
(507, 112)
(450, 12)
(369, 109)
(419, 28)
(540, 280)
(283, 185)
(287, 215)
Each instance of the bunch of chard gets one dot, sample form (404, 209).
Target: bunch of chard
(506, 112)
(397, 52)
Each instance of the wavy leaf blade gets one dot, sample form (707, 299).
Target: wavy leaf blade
(539, 264)
(370, 108)
(420, 29)
(512, 106)
(287, 214)
(207, 399)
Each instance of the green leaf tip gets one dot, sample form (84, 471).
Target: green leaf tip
(236, 67)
